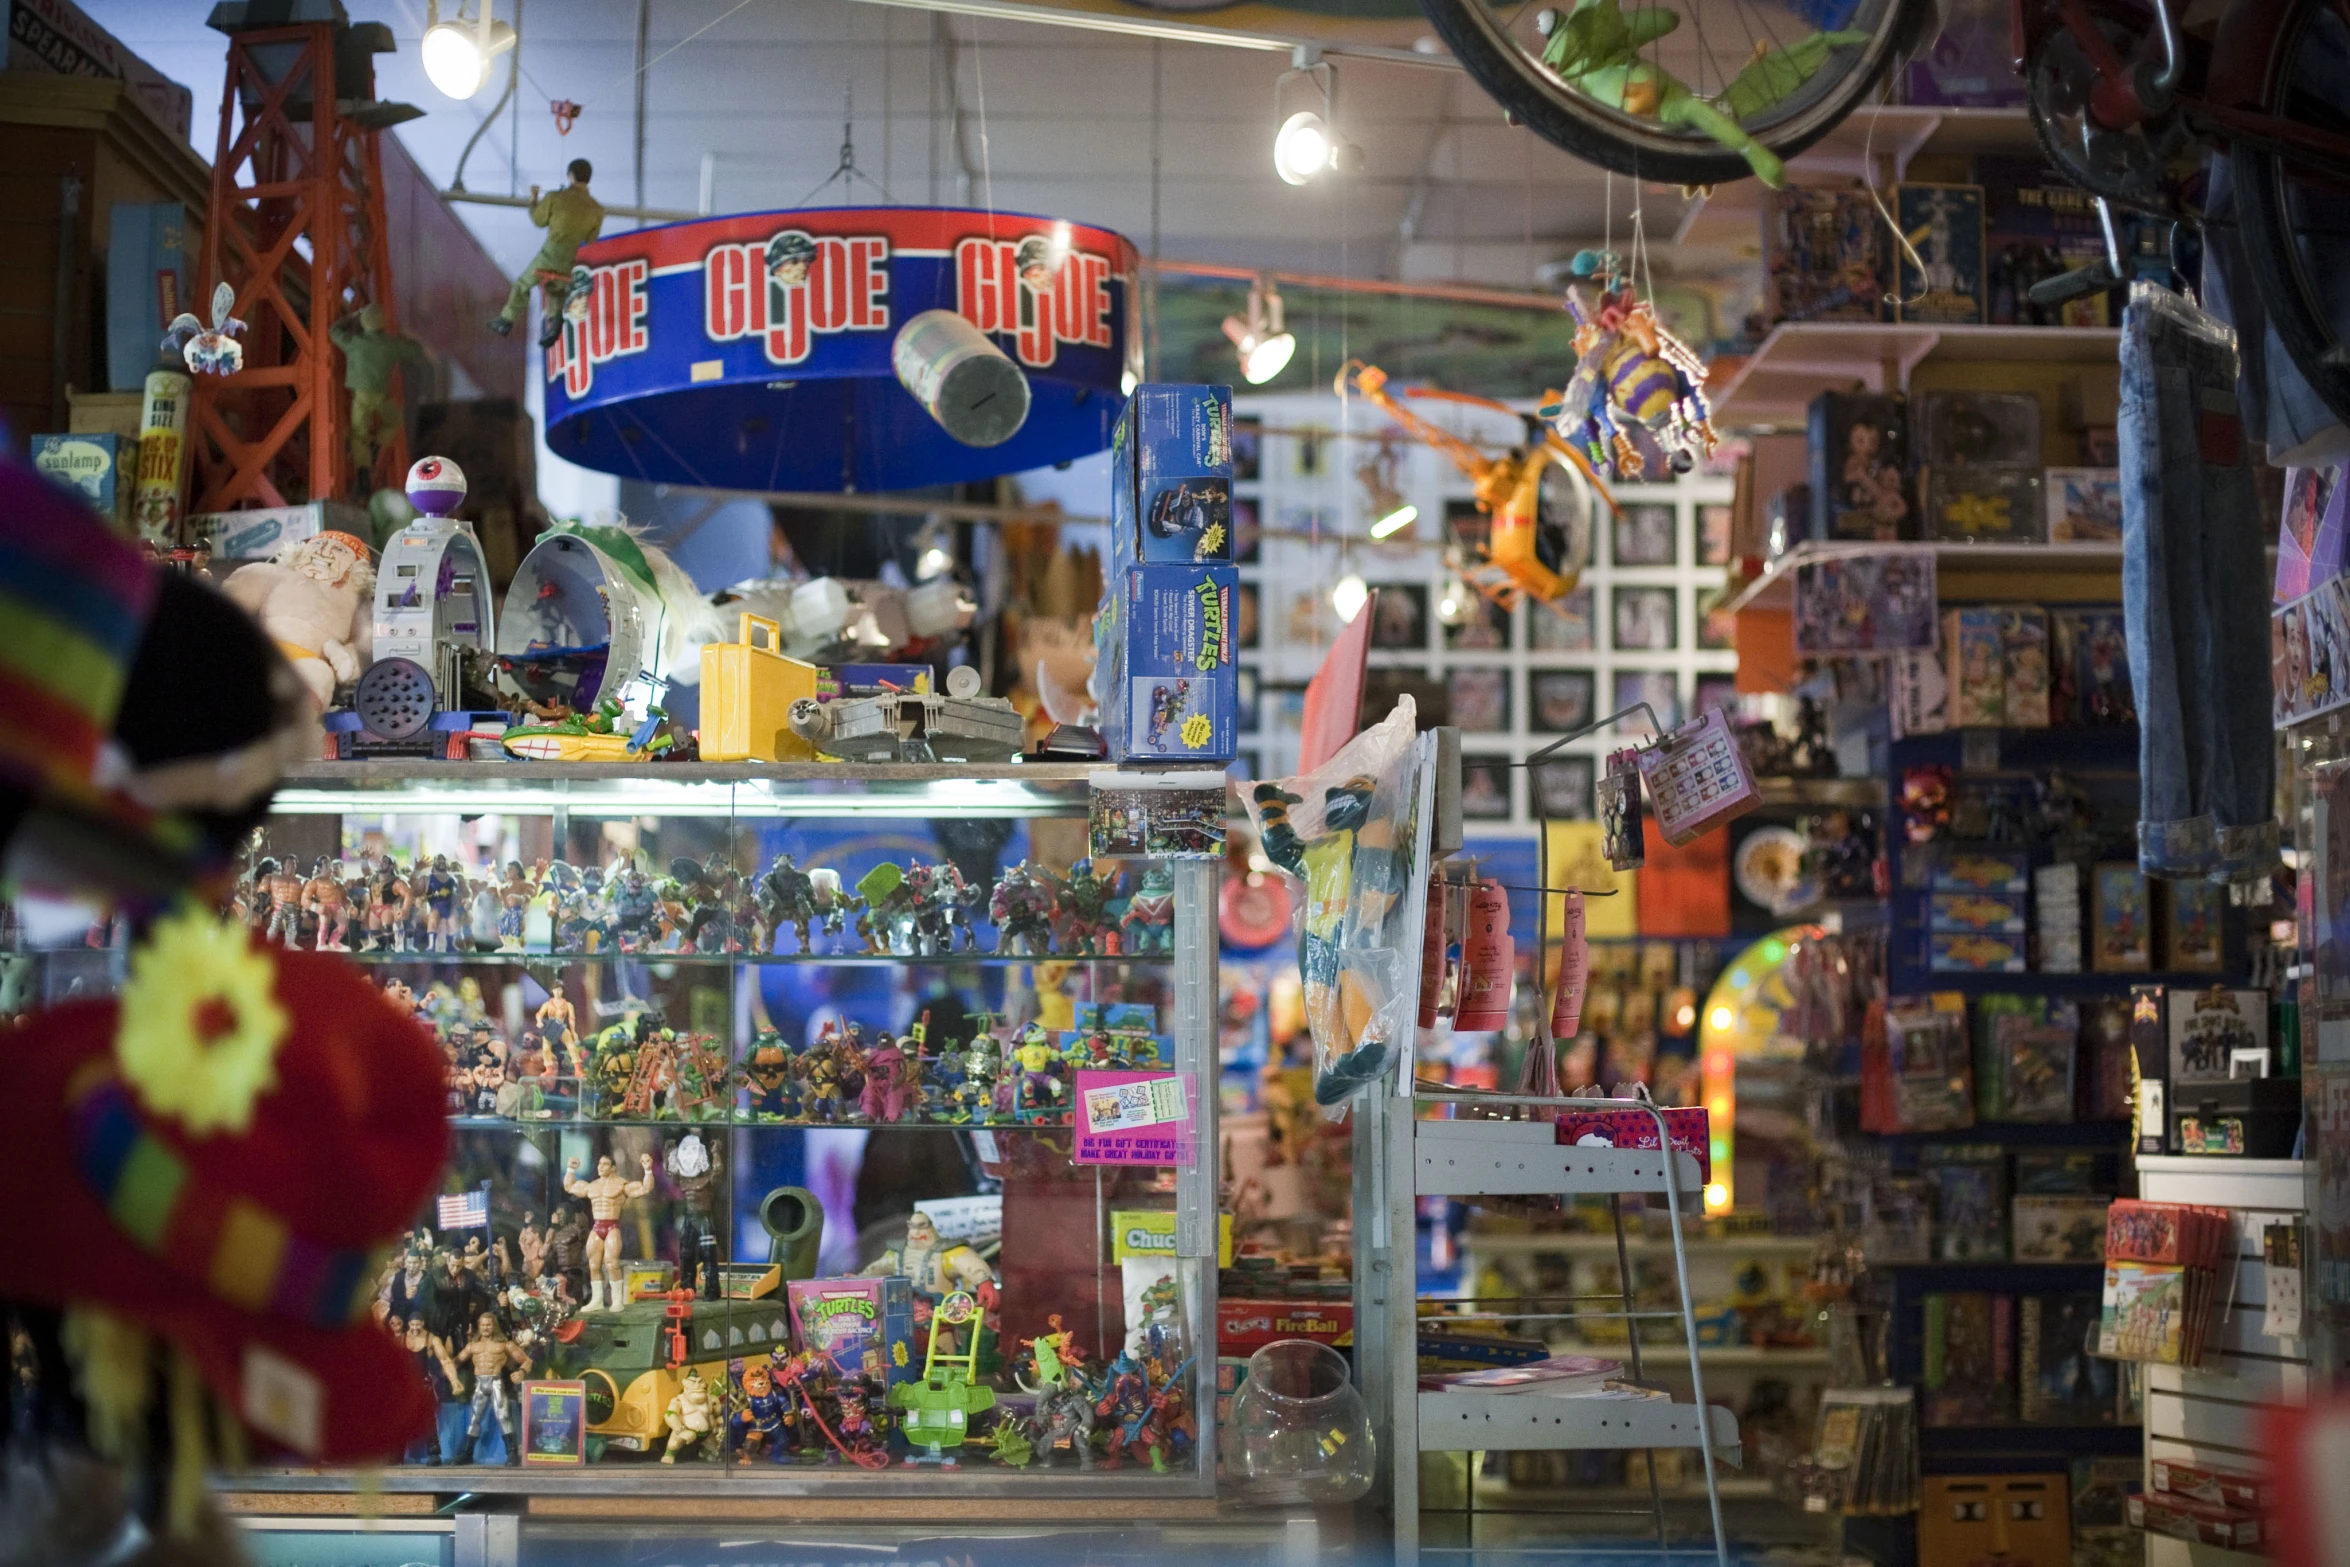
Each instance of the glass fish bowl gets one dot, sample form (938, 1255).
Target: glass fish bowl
(1299, 1427)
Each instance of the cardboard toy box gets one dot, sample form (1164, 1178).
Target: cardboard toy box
(1245, 1326)
(90, 466)
(1165, 671)
(859, 1325)
(1171, 477)
(259, 533)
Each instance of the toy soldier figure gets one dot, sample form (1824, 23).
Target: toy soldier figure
(490, 1353)
(370, 354)
(606, 1195)
(693, 1171)
(571, 218)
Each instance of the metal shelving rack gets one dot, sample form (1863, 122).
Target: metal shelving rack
(1402, 1157)
(1406, 1148)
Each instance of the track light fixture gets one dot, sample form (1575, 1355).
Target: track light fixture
(457, 53)
(1264, 345)
(1307, 144)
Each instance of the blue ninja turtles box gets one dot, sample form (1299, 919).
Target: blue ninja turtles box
(1171, 477)
(1165, 672)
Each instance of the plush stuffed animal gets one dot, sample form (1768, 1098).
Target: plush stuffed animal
(315, 600)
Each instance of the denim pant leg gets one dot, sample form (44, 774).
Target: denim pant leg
(2196, 592)
(2159, 608)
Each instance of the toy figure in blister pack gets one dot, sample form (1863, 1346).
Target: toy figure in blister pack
(1168, 702)
(1352, 874)
(1611, 57)
(1148, 924)
(1161, 1304)
(1022, 909)
(1925, 803)
(1635, 405)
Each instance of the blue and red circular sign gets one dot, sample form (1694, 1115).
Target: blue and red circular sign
(753, 352)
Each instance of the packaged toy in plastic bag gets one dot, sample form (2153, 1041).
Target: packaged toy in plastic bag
(1345, 831)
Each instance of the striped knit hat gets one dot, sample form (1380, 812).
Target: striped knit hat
(144, 719)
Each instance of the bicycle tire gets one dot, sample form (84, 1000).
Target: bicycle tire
(2270, 234)
(1530, 97)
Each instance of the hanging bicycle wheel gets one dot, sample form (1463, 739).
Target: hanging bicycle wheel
(2293, 195)
(1730, 90)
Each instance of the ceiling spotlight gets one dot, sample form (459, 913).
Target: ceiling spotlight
(1349, 595)
(1265, 347)
(1306, 145)
(1395, 521)
(457, 53)
(1301, 148)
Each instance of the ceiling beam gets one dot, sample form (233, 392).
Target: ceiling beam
(1175, 32)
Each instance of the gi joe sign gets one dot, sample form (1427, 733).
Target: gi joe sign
(753, 352)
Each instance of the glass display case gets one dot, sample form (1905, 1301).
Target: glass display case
(765, 1086)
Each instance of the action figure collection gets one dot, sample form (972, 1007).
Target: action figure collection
(637, 1070)
(382, 903)
(480, 1325)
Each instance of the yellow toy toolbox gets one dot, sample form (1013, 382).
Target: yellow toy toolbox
(747, 692)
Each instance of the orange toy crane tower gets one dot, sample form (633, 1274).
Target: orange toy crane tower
(1508, 489)
(297, 230)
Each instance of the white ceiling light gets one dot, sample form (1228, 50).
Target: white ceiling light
(457, 53)
(1395, 521)
(1349, 596)
(1301, 148)
(1265, 347)
(1307, 145)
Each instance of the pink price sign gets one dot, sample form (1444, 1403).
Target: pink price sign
(1134, 1118)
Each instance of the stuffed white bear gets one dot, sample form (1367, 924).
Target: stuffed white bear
(315, 600)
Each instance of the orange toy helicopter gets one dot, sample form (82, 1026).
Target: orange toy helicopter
(1539, 542)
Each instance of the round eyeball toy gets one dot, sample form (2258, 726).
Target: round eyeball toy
(436, 486)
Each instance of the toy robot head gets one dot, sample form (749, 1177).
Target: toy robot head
(436, 486)
(789, 256)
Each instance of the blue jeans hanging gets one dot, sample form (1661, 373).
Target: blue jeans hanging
(2195, 591)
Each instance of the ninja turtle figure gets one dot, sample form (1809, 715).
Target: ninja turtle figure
(1041, 1090)
(886, 922)
(768, 1076)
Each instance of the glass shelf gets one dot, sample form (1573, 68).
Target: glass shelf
(584, 1123)
(857, 959)
(745, 789)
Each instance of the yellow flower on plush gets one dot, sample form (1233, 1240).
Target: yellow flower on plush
(200, 1022)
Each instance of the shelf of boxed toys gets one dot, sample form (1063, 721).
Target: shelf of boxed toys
(1876, 144)
(1597, 1245)
(2041, 573)
(1772, 388)
(747, 789)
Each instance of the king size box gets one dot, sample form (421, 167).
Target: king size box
(1171, 477)
(1165, 671)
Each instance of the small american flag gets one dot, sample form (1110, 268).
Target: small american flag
(466, 1210)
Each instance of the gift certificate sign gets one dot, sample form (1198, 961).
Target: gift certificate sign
(1134, 1118)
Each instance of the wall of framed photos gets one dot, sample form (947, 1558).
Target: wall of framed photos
(1310, 478)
